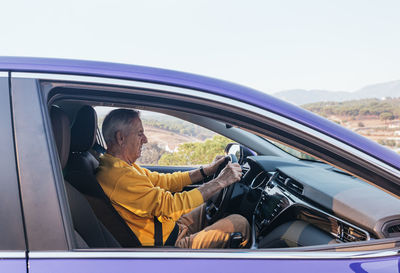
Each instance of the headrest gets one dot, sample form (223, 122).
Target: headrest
(62, 133)
(83, 131)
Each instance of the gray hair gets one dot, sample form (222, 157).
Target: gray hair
(117, 120)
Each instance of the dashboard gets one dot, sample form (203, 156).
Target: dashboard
(346, 208)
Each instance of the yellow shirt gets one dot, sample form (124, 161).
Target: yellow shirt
(139, 194)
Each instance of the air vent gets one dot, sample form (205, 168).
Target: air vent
(294, 186)
(281, 178)
(394, 229)
(289, 183)
(350, 234)
(391, 229)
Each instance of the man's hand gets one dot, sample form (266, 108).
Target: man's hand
(229, 175)
(212, 168)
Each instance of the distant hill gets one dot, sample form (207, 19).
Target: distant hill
(301, 96)
(383, 109)
(380, 90)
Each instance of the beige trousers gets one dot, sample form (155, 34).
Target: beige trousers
(192, 233)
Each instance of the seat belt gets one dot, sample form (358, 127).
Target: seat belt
(171, 240)
(158, 236)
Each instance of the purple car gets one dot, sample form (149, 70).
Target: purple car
(318, 197)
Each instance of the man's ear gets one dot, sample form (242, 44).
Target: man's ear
(119, 137)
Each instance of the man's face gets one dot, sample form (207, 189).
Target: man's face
(134, 141)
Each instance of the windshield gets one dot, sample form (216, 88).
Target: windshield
(293, 152)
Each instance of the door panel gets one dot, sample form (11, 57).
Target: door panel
(172, 260)
(42, 197)
(14, 262)
(210, 265)
(12, 239)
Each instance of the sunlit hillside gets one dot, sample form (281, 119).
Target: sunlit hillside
(376, 119)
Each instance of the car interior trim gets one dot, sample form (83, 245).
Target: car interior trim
(215, 98)
(192, 254)
(314, 213)
(297, 185)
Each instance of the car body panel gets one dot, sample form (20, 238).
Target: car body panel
(12, 233)
(198, 265)
(213, 86)
(38, 169)
(12, 238)
(13, 262)
(47, 222)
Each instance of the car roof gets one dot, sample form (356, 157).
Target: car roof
(202, 83)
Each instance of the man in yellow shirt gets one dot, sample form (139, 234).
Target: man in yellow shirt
(144, 199)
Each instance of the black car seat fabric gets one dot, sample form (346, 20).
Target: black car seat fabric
(295, 234)
(83, 137)
(62, 135)
(86, 224)
(80, 172)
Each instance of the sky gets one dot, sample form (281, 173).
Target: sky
(338, 45)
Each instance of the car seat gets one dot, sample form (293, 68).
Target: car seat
(90, 231)
(80, 172)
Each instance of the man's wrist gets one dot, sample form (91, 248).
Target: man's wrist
(203, 173)
(208, 189)
(209, 169)
(219, 182)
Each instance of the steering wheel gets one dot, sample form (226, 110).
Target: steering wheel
(217, 204)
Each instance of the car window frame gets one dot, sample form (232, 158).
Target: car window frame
(46, 87)
(280, 129)
(46, 212)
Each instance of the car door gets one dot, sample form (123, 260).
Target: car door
(53, 243)
(12, 239)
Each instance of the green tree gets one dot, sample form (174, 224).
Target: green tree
(358, 108)
(196, 153)
(386, 116)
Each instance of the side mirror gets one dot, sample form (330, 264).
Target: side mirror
(240, 151)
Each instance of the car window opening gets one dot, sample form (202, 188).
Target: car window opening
(274, 197)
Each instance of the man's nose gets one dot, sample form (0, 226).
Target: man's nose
(144, 140)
